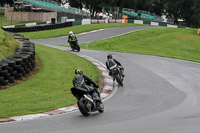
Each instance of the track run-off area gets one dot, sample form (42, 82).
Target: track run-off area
(160, 95)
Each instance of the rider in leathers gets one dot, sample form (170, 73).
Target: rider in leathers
(111, 63)
(84, 81)
(72, 39)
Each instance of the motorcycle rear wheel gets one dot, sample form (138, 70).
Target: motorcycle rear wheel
(83, 107)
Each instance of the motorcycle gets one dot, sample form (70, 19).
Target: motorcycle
(117, 74)
(74, 46)
(85, 102)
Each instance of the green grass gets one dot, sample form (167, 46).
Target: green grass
(8, 44)
(76, 29)
(1, 11)
(5, 22)
(50, 88)
(168, 42)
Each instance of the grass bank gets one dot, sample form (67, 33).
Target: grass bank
(76, 29)
(8, 44)
(49, 88)
(168, 42)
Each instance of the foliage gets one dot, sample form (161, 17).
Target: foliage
(187, 10)
(2, 2)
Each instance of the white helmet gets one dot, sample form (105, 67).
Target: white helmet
(70, 32)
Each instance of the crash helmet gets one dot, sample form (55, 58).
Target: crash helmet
(70, 33)
(109, 56)
(78, 71)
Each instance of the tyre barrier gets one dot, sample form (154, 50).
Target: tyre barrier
(18, 65)
(38, 27)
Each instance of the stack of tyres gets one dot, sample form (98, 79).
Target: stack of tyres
(17, 68)
(19, 64)
(4, 74)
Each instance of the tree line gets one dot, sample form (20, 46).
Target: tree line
(187, 10)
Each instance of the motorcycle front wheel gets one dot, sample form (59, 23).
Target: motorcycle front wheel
(78, 48)
(100, 107)
(119, 81)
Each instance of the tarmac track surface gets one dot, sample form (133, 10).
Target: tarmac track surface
(160, 95)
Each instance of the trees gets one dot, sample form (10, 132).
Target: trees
(187, 10)
(3, 2)
(195, 18)
(76, 3)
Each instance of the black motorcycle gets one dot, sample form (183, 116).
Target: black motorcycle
(85, 102)
(74, 46)
(117, 75)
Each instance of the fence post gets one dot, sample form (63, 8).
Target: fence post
(1, 21)
(11, 19)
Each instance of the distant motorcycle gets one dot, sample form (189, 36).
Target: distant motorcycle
(85, 102)
(75, 46)
(117, 75)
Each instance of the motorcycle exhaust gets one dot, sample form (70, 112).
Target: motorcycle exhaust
(88, 98)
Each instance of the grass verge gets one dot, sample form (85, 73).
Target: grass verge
(76, 29)
(49, 88)
(8, 44)
(168, 42)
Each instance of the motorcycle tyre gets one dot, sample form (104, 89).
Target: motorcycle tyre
(119, 81)
(83, 110)
(72, 48)
(78, 48)
(101, 110)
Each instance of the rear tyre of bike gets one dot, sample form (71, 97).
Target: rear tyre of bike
(72, 48)
(119, 81)
(101, 107)
(83, 107)
(78, 48)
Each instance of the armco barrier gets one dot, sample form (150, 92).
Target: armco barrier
(95, 21)
(162, 24)
(72, 22)
(38, 28)
(147, 22)
(77, 22)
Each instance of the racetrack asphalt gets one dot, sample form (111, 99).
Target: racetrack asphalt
(160, 95)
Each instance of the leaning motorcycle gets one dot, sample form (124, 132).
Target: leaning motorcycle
(75, 46)
(85, 102)
(117, 74)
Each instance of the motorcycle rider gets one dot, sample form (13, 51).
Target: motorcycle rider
(112, 63)
(84, 81)
(72, 40)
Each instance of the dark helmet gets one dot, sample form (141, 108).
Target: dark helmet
(78, 71)
(109, 56)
